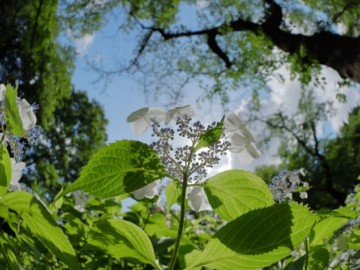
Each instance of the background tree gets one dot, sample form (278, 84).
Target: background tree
(232, 45)
(234, 42)
(332, 164)
(31, 55)
(73, 126)
(76, 132)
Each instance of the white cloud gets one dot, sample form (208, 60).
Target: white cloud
(83, 43)
(202, 3)
(285, 95)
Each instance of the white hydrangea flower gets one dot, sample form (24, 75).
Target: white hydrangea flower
(27, 114)
(143, 118)
(178, 111)
(197, 199)
(149, 191)
(244, 148)
(234, 124)
(242, 140)
(16, 173)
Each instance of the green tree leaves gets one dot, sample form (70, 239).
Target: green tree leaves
(119, 168)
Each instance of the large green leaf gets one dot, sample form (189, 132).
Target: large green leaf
(235, 192)
(123, 239)
(13, 119)
(258, 238)
(41, 224)
(119, 168)
(211, 136)
(325, 229)
(5, 169)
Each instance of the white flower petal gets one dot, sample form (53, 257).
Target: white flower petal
(27, 114)
(244, 157)
(233, 123)
(2, 91)
(140, 126)
(197, 199)
(16, 172)
(178, 111)
(245, 149)
(137, 115)
(155, 115)
(253, 151)
(143, 118)
(149, 191)
(239, 140)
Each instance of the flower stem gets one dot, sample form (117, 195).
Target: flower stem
(181, 224)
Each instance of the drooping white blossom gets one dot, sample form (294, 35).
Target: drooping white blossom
(149, 191)
(16, 173)
(242, 140)
(178, 111)
(27, 114)
(245, 149)
(197, 199)
(143, 118)
(234, 124)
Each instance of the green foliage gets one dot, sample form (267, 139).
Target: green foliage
(14, 123)
(122, 239)
(211, 136)
(31, 56)
(246, 230)
(38, 221)
(77, 131)
(258, 238)
(5, 169)
(234, 192)
(119, 168)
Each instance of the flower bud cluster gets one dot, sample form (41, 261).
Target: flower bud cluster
(183, 158)
(288, 182)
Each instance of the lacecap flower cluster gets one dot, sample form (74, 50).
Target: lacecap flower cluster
(183, 163)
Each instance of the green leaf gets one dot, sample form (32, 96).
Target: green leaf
(235, 192)
(296, 265)
(5, 169)
(8, 253)
(13, 119)
(157, 225)
(258, 238)
(211, 136)
(172, 194)
(119, 168)
(41, 224)
(123, 239)
(326, 228)
(319, 258)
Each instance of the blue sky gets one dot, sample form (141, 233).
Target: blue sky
(123, 95)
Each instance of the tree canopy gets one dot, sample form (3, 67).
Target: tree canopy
(32, 57)
(234, 42)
